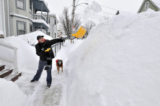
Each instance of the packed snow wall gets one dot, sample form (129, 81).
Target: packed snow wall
(117, 65)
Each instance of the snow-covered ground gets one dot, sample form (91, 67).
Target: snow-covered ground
(10, 94)
(37, 94)
(116, 65)
(34, 94)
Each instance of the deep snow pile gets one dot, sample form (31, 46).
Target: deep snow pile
(10, 95)
(27, 58)
(117, 65)
(31, 38)
(66, 51)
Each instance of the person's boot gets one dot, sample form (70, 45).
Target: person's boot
(47, 67)
(48, 86)
(33, 80)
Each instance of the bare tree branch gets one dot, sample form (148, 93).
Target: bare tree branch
(66, 22)
(89, 25)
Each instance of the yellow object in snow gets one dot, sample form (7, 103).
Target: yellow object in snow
(48, 50)
(80, 33)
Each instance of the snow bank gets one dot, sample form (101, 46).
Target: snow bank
(27, 58)
(11, 95)
(66, 51)
(31, 38)
(117, 65)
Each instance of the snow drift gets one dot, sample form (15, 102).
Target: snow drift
(11, 95)
(117, 65)
(31, 38)
(66, 51)
(27, 58)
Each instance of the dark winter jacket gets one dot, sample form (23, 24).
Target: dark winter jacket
(41, 47)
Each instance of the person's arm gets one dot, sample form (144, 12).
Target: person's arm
(39, 52)
(51, 42)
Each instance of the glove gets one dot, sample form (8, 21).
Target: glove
(61, 40)
(48, 50)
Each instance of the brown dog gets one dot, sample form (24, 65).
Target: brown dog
(59, 64)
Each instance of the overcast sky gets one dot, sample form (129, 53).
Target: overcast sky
(132, 6)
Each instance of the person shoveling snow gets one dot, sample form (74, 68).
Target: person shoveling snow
(44, 51)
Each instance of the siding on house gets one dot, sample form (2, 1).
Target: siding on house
(14, 27)
(11, 17)
(151, 6)
(53, 27)
(26, 12)
(11, 23)
(6, 17)
(2, 19)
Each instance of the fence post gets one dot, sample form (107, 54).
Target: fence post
(55, 50)
(15, 60)
(60, 45)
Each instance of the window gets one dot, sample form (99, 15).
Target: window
(31, 28)
(147, 5)
(49, 20)
(21, 28)
(55, 21)
(30, 6)
(21, 4)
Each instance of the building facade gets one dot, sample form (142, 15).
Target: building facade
(2, 20)
(149, 4)
(21, 17)
(53, 25)
(53, 22)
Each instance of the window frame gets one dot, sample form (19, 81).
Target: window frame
(31, 6)
(49, 20)
(24, 8)
(30, 27)
(25, 29)
(147, 5)
(55, 21)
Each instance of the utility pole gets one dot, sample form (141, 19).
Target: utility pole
(73, 11)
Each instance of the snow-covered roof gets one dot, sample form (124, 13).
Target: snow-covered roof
(33, 20)
(40, 21)
(157, 2)
(50, 14)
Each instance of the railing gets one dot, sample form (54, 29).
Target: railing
(56, 47)
(4, 44)
(35, 16)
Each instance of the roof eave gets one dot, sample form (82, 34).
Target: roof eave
(141, 6)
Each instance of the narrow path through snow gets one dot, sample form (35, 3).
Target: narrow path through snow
(38, 94)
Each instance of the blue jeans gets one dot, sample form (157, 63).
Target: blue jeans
(39, 72)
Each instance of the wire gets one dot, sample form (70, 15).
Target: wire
(77, 2)
(98, 16)
(102, 11)
(111, 8)
(108, 13)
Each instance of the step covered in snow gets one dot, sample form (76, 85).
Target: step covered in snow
(2, 67)
(5, 72)
(13, 77)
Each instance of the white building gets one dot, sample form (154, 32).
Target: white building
(19, 17)
(53, 23)
(2, 19)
